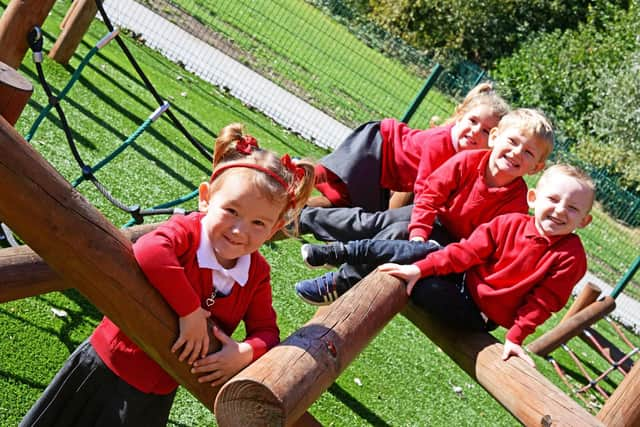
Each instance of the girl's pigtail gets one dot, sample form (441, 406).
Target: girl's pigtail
(482, 94)
(300, 189)
(224, 148)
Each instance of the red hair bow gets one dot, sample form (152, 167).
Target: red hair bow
(246, 144)
(297, 171)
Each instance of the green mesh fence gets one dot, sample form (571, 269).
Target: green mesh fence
(350, 71)
(310, 54)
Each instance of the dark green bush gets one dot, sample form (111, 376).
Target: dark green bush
(479, 30)
(588, 81)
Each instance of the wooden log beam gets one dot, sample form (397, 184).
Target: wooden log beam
(521, 389)
(572, 326)
(622, 409)
(88, 252)
(18, 19)
(286, 381)
(15, 92)
(588, 295)
(277, 388)
(23, 273)
(75, 24)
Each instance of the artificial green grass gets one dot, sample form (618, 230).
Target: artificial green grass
(405, 379)
(302, 49)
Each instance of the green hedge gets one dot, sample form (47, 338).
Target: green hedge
(588, 81)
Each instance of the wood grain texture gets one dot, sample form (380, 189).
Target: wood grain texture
(279, 387)
(15, 91)
(75, 24)
(521, 389)
(572, 326)
(622, 409)
(23, 273)
(18, 19)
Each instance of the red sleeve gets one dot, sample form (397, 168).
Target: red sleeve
(435, 151)
(461, 256)
(158, 255)
(260, 317)
(551, 294)
(438, 187)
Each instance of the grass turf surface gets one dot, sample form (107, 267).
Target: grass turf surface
(400, 379)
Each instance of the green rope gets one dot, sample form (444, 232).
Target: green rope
(152, 118)
(74, 77)
(172, 203)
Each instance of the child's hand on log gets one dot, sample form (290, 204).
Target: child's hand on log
(409, 273)
(193, 339)
(220, 366)
(512, 349)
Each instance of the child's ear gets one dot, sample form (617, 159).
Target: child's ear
(203, 197)
(531, 197)
(585, 221)
(493, 134)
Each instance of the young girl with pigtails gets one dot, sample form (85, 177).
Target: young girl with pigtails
(387, 156)
(205, 264)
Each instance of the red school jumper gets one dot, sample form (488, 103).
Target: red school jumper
(167, 257)
(516, 276)
(458, 195)
(407, 155)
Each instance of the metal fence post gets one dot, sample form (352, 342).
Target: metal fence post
(626, 278)
(435, 72)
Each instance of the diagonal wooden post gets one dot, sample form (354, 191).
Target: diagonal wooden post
(572, 326)
(16, 22)
(521, 389)
(279, 387)
(622, 409)
(283, 383)
(75, 24)
(88, 252)
(23, 273)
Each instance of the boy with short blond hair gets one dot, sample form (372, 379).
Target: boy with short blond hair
(513, 271)
(469, 189)
(519, 269)
(481, 185)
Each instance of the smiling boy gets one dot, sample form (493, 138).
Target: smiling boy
(475, 186)
(518, 268)
(513, 271)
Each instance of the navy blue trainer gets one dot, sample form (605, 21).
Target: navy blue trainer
(325, 255)
(321, 290)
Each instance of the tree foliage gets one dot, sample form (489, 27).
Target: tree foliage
(479, 30)
(588, 80)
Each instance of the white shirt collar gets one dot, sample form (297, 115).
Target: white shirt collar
(223, 278)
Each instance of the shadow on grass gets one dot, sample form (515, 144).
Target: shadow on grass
(578, 377)
(365, 413)
(118, 135)
(23, 380)
(243, 113)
